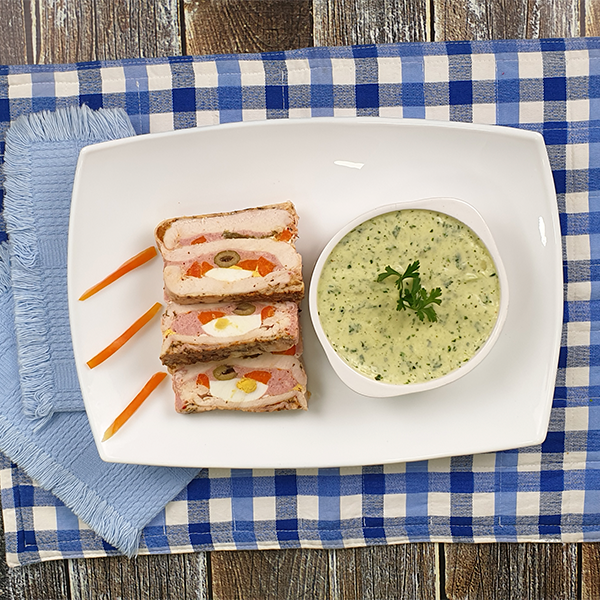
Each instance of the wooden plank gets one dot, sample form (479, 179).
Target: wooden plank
(507, 571)
(44, 580)
(344, 22)
(270, 575)
(227, 26)
(14, 45)
(592, 18)
(590, 571)
(181, 576)
(83, 30)
(481, 20)
(399, 571)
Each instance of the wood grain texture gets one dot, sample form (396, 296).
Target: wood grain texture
(44, 581)
(181, 576)
(505, 19)
(508, 571)
(344, 22)
(590, 571)
(15, 48)
(591, 21)
(227, 26)
(83, 30)
(270, 575)
(391, 572)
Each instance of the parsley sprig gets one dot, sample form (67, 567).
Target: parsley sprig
(413, 295)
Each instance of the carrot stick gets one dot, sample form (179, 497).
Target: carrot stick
(152, 384)
(124, 337)
(139, 259)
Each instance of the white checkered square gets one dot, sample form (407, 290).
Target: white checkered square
(439, 465)
(159, 77)
(529, 462)
(264, 508)
(578, 334)
(578, 156)
(484, 113)
(579, 290)
(66, 84)
(437, 113)
(390, 69)
(576, 418)
(394, 505)
(206, 74)
(299, 72)
(528, 504)
(573, 502)
(484, 504)
(577, 376)
(577, 202)
(484, 463)
(254, 114)
(44, 518)
(577, 63)
(439, 504)
(531, 112)
(160, 122)
(206, 117)
(252, 73)
(531, 65)
(343, 72)
(578, 247)
(578, 110)
(483, 67)
(113, 80)
(351, 507)
(393, 112)
(308, 507)
(220, 510)
(436, 68)
(19, 86)
(176, 513)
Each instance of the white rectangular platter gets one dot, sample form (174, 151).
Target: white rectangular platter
(332, 170)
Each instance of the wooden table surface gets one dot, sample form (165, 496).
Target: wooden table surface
(58, 31)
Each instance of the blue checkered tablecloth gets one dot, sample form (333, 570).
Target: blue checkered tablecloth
(543, 493)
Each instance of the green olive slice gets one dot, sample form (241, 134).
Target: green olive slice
(245, 308)
(227, 258)
(224, 372)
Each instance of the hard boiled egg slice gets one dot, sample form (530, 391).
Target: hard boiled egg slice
(240, 389)
(228, 274)
(232, 325)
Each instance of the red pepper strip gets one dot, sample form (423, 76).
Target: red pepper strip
(289, 352)
(139, 259)
(264, 266)
(124, 337)
(209, 315)
(267, 312)
(199, 240)
(202, 379)
(198, 270)
(284, 236)
(152, 384)
(249, 264)
(262, 376)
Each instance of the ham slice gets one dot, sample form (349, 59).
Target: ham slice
(192, 274)
(265, 383)
(212, 332)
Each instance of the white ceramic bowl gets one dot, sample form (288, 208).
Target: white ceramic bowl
(370, 387)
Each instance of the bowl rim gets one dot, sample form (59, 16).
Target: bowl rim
(365, 386)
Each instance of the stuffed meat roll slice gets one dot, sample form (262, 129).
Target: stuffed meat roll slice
(276, 221)
(265, 383)
(210, 332)
(233, 270)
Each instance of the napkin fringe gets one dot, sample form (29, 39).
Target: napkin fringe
(90, 508)
(73, 123)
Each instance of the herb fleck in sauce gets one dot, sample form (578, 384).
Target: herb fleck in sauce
(359, 315)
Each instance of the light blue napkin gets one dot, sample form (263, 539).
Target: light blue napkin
(42, 424)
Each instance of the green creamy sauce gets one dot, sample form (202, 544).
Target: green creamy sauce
(359, 315)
